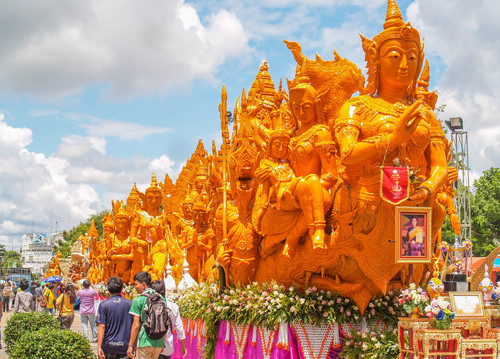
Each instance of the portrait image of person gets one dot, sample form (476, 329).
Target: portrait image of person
(413, 236)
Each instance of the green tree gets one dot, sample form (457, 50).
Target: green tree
(69, 238)
(485, 208)
(11, 259)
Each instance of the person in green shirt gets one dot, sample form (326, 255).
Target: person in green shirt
(140, 345)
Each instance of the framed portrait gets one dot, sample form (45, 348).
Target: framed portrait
(413, 235)
(467, 305)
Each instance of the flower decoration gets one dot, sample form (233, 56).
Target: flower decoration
(458, 266)
(467, 244)
(371, 344)
(440, 313)
(102, 291)
(414, 297)
(444, 247)
(129, 292)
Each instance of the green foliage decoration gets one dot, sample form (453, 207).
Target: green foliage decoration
(22, 323)
(52, 344)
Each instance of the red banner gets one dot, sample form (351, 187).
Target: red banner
(394, 184)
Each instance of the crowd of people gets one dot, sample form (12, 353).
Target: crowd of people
(116, 324)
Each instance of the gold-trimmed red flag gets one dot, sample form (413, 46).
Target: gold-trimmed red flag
(395, 184)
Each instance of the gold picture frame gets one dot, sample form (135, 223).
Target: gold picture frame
(413, 235)
(467, 305)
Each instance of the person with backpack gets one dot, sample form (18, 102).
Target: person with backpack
(150, 320)
(115, 323)
(175, 320)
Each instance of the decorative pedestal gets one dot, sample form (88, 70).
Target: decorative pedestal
(479, 348)
(407, 327)
(434, 343)
(456, 283)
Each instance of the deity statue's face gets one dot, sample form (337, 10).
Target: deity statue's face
(122, 224)
(303, 106)
(200, 186)
(187, 209)
(153, 200)
(108, 229)
(279, 147)
(132, 205)
(198, 216)
(398, 63)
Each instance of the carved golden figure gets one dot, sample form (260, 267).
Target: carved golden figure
(148, 225)
(285, 192)
(120, 252)
(296, 187)
(375, 129)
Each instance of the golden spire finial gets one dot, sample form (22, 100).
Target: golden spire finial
(425, 76)
(393, 17)
(121, 212)
(92, 230)
(154, 184)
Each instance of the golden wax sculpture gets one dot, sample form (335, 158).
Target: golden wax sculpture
(308, 167)
(293, 194)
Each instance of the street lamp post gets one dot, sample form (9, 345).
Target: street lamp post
(460, 160)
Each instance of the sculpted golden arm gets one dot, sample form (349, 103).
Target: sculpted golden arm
(438, 166)
(354, 152)
(326, 148)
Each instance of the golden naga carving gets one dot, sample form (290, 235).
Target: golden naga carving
(293, 194)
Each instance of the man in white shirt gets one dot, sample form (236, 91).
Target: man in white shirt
(175, 320)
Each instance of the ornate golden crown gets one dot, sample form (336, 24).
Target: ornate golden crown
(154, 184)
(395, 27)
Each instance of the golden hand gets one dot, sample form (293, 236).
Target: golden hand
(262, 173)
(406, 124)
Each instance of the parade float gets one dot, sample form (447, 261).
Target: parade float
(314, 231)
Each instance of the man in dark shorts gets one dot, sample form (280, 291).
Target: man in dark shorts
(114, 323)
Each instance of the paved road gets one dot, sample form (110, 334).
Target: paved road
(77, 327)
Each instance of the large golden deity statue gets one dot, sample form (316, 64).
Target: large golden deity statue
(318, 213)
(294, 194)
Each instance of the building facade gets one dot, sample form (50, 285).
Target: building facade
(37, 250)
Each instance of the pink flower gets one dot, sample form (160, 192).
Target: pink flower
(341, 309)
(372, 311)
(325, 314)
(292, 309)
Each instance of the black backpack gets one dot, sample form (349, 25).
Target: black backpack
(156, 320)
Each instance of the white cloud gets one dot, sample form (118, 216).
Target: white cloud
(79, 179)
(465, 36)
(122, 130)
(162, 164)
(56, 50)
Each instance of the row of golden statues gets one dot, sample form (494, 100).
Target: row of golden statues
(293, 195)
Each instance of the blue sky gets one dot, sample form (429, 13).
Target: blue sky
(97, 95)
